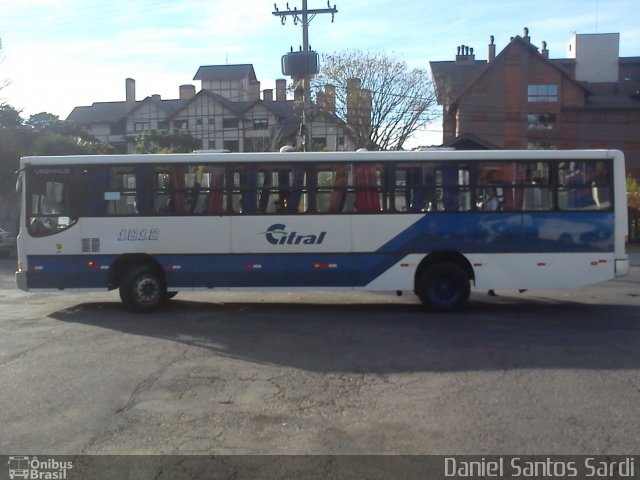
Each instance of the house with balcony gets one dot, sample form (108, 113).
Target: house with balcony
(523, 99)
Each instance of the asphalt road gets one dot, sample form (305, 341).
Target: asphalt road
(551, 372)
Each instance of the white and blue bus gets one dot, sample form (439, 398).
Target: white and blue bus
(436, 223)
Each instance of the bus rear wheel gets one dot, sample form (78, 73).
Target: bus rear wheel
(143, 288)
(443, 287)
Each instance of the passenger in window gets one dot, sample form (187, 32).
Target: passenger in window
(280, 205)
(491, 201)
(600, 187)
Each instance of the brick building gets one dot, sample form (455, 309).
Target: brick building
(522, 99)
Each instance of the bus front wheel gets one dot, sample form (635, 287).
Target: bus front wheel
(143, 288)
(443, 287)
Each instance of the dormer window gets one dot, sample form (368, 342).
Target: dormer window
(542, 93)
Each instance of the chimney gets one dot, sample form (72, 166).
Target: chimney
(187, 92)
(354, 91)
(465, 54)
(545, 52)
(366, 100)
(526, 35)
(330, 97)
(254, 91)
(267, 95)
(281, 90)
(492, 50)
(130, 93)
(321, 100)
(359, 111)
(156, 96)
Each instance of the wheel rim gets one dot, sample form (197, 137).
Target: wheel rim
(147, 289)
(444, 289)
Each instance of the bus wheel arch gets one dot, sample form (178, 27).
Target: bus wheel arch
(443, 281)
(141, 281)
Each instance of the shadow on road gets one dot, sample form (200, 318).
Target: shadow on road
(388, 338)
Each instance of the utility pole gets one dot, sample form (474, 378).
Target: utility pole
(305, 16)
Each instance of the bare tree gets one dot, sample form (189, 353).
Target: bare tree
(403, 100)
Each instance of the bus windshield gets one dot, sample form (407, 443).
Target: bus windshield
(50, 206)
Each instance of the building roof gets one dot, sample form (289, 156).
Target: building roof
(111, 112)
(452, 77)
(468, 141)
(168, 106)
(225, 72)
(236, 108)
(99, 112)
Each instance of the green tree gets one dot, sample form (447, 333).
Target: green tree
(45, 121)
(58, 144)
(403, 99)
(161, 141)
(15, 140)
(41, 134)
(57, 137)
(9, 117)
(50, 124)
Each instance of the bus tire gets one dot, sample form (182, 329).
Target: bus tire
(443, 287)
(143, 288)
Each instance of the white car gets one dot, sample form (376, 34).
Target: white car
(7, 242)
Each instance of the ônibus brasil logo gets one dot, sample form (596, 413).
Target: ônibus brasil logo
(277, 234)
(32, 468)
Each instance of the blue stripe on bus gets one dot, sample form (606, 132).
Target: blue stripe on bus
(259, 270)
(546, 232)
(468, 233)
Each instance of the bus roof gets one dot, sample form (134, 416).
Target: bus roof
(317, 157)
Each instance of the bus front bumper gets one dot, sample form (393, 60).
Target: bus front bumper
(622, 267)
(21, 280)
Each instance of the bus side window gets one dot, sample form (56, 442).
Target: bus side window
(488, 189)
(282, 190)
(96, 181)
(297, 201)
(122, 195)
(518, 185)
(177, 190)
(162, 199)
(511, 177)
(245, 189)
(368, 187)
(214, 181)
(339, 194)
(584, 185)
(456, 191)
(601, 186)
(331, 188)
(178, 194)
(537, 187)
(415, 188)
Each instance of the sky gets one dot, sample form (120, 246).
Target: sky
(59, 54)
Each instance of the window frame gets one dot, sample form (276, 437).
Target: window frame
(543, 93)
